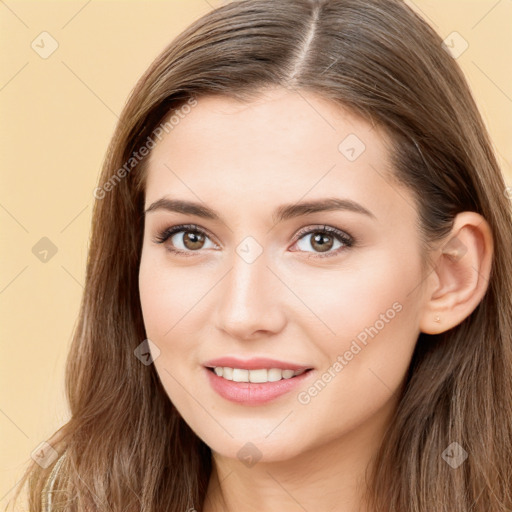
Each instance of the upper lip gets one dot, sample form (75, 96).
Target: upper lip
(254, 363)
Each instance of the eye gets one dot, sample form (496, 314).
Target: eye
(322, 239)
(185, 239)
(190, 238)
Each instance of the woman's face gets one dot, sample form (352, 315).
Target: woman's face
(259, 278)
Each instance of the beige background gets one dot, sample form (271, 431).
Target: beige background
(57, 117)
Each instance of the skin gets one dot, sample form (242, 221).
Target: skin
(292, 304)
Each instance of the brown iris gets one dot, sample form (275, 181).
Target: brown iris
(193, 240)
(321, 242)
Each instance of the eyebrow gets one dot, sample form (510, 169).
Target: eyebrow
(282, 213)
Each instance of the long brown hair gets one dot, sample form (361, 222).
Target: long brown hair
(126, 446)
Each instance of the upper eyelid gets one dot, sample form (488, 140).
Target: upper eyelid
(307, 230)
(191, 227)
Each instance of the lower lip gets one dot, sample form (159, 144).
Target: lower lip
(253, 393)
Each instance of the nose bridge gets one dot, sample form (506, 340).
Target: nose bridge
(248, 299)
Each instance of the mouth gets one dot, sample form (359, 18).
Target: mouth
(255, 382)
(257, 375)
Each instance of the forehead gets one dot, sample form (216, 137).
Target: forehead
(282, 147)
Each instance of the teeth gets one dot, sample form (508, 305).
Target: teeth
(240, 375)
(257, 376)
(288, 374)
(274, 374)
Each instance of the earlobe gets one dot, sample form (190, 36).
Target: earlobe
(460, 276)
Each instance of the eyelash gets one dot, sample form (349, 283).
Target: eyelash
(346, 239)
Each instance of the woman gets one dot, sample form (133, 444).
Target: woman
(299, 287)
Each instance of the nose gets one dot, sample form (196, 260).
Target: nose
(251, 300)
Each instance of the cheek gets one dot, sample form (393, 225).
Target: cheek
(155, 302)
(374, 317)
(169, 295)
(350, 301)
(165, 305)
(172, 305)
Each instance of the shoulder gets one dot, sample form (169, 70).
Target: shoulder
(46, 493)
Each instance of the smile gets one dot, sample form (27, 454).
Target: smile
(255, 387)
(259, 375)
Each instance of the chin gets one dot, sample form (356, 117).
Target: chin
(250, 446)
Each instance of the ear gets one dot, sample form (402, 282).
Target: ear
(460, 277)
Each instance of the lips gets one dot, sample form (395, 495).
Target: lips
(232, 378)
(254, 363)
